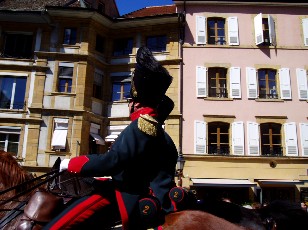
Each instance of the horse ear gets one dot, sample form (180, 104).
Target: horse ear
(56, 165)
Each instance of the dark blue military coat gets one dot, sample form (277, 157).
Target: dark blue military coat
(142, 156)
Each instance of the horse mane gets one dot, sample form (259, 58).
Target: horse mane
(11, 173)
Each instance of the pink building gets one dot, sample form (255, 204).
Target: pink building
(244, 102)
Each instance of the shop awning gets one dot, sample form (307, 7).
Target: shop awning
(222, 182)
(59, 139)
(98, 139)
(278, 182)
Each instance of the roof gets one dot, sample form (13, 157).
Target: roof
(38, 4)
(152, 11)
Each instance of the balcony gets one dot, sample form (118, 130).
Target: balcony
(271, 151)
(214, 150)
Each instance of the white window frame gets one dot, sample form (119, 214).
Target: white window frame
(200, 140)
(235, 82)
(302, 84)
(237, 138)
(305, 30)
(304, 138)
(9, 130)
(253, 138)
(285, 83)
(200, 30)
(59, 134)
(69, 65)
(290, 135)
(233, 31)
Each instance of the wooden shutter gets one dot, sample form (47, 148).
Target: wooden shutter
(272, 33)
(200, 137)
(238, 138)
(302, 84)
(253, 138)
(251, 79)
(235, 82)
(233, 31)
(305, 31)
(201, 73)
(304, 138)
(259, 38)
(285, 85)
(291, 139)
(201, 30)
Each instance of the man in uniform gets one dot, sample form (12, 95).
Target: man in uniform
(142, 157)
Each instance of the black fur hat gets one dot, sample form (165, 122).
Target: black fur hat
(150, 80)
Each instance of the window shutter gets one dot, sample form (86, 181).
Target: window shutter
(305, 30)
(201, 30)
(235, 82)
(201, 73)
(238, 138)
(291, 139)
(304, 138)
(251, 78)
(258, 29)
(285, 85)
(253, 138)
(233, 31)
(302, 83)
(200, 137)
(271, 27)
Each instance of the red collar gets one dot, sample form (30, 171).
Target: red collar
(143, 111)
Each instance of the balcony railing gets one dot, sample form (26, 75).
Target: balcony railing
(271, 151)
(214, 150)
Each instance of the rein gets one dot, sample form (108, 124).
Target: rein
(27, 182)
(55, 172)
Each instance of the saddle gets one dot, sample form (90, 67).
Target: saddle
(41, 208)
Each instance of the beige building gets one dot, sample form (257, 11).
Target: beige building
(65, 73)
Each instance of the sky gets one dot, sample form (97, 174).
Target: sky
(127, 6)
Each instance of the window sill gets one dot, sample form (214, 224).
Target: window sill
(71, 46)
(118, 102)
(217, 99)
(269, 100)
(62, 94)
(53, 152)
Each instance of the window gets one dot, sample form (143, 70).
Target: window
(302, 83)
(157, 43)
(100, 43)
(9, 139)
(218, 138)
(304, 138)
(217, 79)
(267, 84)
(95, 139)
(264, 30)
(121, 88)
(13, 90)
(271, 139)
(58, 142)
(18, 45)
(217, 82)
(217, 30)
(70, 36)
(122, 46)
(97, 85)
(305, 30)
(65, 77)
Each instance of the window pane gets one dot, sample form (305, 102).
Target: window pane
(100, 42)
(157, 43)
(18, 45)
(20, 92)
(70, 36)
(116, 92)
(122, 46)
(6, 92)
(66, 71)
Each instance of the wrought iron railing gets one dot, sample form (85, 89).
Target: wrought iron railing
(271, 151)
(214, 150)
